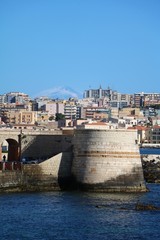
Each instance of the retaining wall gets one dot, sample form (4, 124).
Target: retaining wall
(50, 175)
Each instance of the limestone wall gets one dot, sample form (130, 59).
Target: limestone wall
(102, 160)
(44, 146)
(10, 181)
(50, 175)
(59, 165)
(107, 160)
(9, 134)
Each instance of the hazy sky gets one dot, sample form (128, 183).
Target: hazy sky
(81, 44)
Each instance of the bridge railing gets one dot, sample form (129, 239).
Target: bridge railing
(31, 132)
(10, 166)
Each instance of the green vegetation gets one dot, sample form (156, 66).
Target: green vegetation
(59, 116)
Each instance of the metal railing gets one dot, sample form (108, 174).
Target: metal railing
(10, 166)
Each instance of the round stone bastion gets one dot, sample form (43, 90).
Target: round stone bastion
(107, 161)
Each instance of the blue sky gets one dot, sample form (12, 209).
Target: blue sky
(80, 44)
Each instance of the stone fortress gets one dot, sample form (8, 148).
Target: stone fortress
(107, 160)
(96, 160)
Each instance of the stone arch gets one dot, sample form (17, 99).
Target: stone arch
(12, 150)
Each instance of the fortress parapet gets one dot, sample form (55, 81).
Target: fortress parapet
(107, 161)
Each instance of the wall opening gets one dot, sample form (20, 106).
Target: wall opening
(10, 150)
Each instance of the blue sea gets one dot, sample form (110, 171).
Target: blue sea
(154, 151)
(79, 216)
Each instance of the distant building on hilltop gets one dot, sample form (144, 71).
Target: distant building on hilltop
(16, 97)
(108, 97)
(97, 93)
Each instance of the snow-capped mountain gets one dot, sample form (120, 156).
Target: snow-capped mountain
(60, 93)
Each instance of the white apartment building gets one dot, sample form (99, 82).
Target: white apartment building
(70, 111)
(54, 107)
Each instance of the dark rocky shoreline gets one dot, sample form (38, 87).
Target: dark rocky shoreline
(151, 168)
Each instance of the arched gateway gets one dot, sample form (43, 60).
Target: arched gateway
(10, 147)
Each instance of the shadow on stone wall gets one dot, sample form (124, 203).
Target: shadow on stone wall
(133, 182)
(66, 180)
(32, 177)
(44, 146)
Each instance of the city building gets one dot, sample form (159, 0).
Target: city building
(53, 107)
(128, 111)
(146, 99)
(119, 100)
(19, 117)
(154, 135)
(97, 93)
(70, 110)
(42, 117)
(95, 112)
(16, 97)
(142, 134)
(97, 125)
(108, 97)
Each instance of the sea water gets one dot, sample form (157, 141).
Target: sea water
(79, 215)
(152, 151)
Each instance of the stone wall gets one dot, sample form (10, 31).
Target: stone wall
(50, 175)
(44, 146)
(107, 160)
(102, 160)
(59, 169)
(10, 181)
(9, 134)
